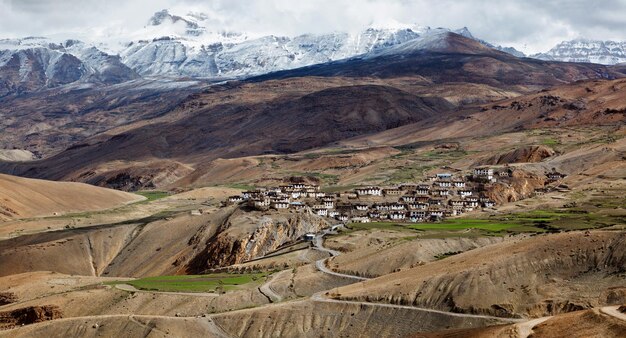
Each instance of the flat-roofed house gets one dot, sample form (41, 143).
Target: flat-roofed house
(361, 207)
(392, 192)
(396, 215)
(235, 199)
(280, 205)
(484, 173)
(320, 210)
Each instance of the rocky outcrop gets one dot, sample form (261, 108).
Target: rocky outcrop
(520, 185)
(530, 154)
(7, 298)
(29, 315)
(249, 235)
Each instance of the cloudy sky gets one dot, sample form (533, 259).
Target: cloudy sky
(529, 25)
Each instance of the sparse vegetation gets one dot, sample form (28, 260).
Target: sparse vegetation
(241, 186)
(550, 142)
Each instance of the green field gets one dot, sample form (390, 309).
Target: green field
(448, 225)
(152, 195)
(533, 221)
(196, 283)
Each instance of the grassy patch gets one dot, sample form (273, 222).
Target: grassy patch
(378, 225)
(195, 283)
(550, 142)
(466, 223)
(152, 195)
(409, 174)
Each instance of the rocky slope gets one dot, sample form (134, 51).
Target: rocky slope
(28, 315)
(521, 155)
(533, 277)
(520, 185)
(247, 235)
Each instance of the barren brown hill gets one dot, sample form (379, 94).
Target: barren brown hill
(286, 112)
(287, 124)
(49, 121)
(534, 277)
(21, 197)
(578, 104)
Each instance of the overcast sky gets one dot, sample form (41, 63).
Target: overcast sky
(529, 25)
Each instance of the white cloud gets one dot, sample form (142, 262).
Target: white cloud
(532, 25)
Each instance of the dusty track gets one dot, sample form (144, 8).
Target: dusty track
(318, 297)
(321, 264)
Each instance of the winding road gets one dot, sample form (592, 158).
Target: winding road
(267, 291)
(321, 264)
(524, 326)
(319, 297)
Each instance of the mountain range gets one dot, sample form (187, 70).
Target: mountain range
(178, 46)
(584, 50)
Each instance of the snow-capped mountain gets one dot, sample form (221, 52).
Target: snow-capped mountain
(171, 45)
(35, 63)
(182, 46)
(583, 50)
(186, 48)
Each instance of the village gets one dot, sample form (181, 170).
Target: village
(441, 195)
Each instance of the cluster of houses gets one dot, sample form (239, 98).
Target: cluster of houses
(443, 195)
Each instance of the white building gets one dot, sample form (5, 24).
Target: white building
(465, 193)
(396, 206)
(279, 205)
(320, 211)
(362, 207)
(397, 215)
(483, 172)
(372, 191)
(235, 199)
(444, 184)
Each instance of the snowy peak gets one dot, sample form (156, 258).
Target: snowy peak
(190, 22)
(585, 50)
(438, 40)
(36, 63)
(465, 32)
